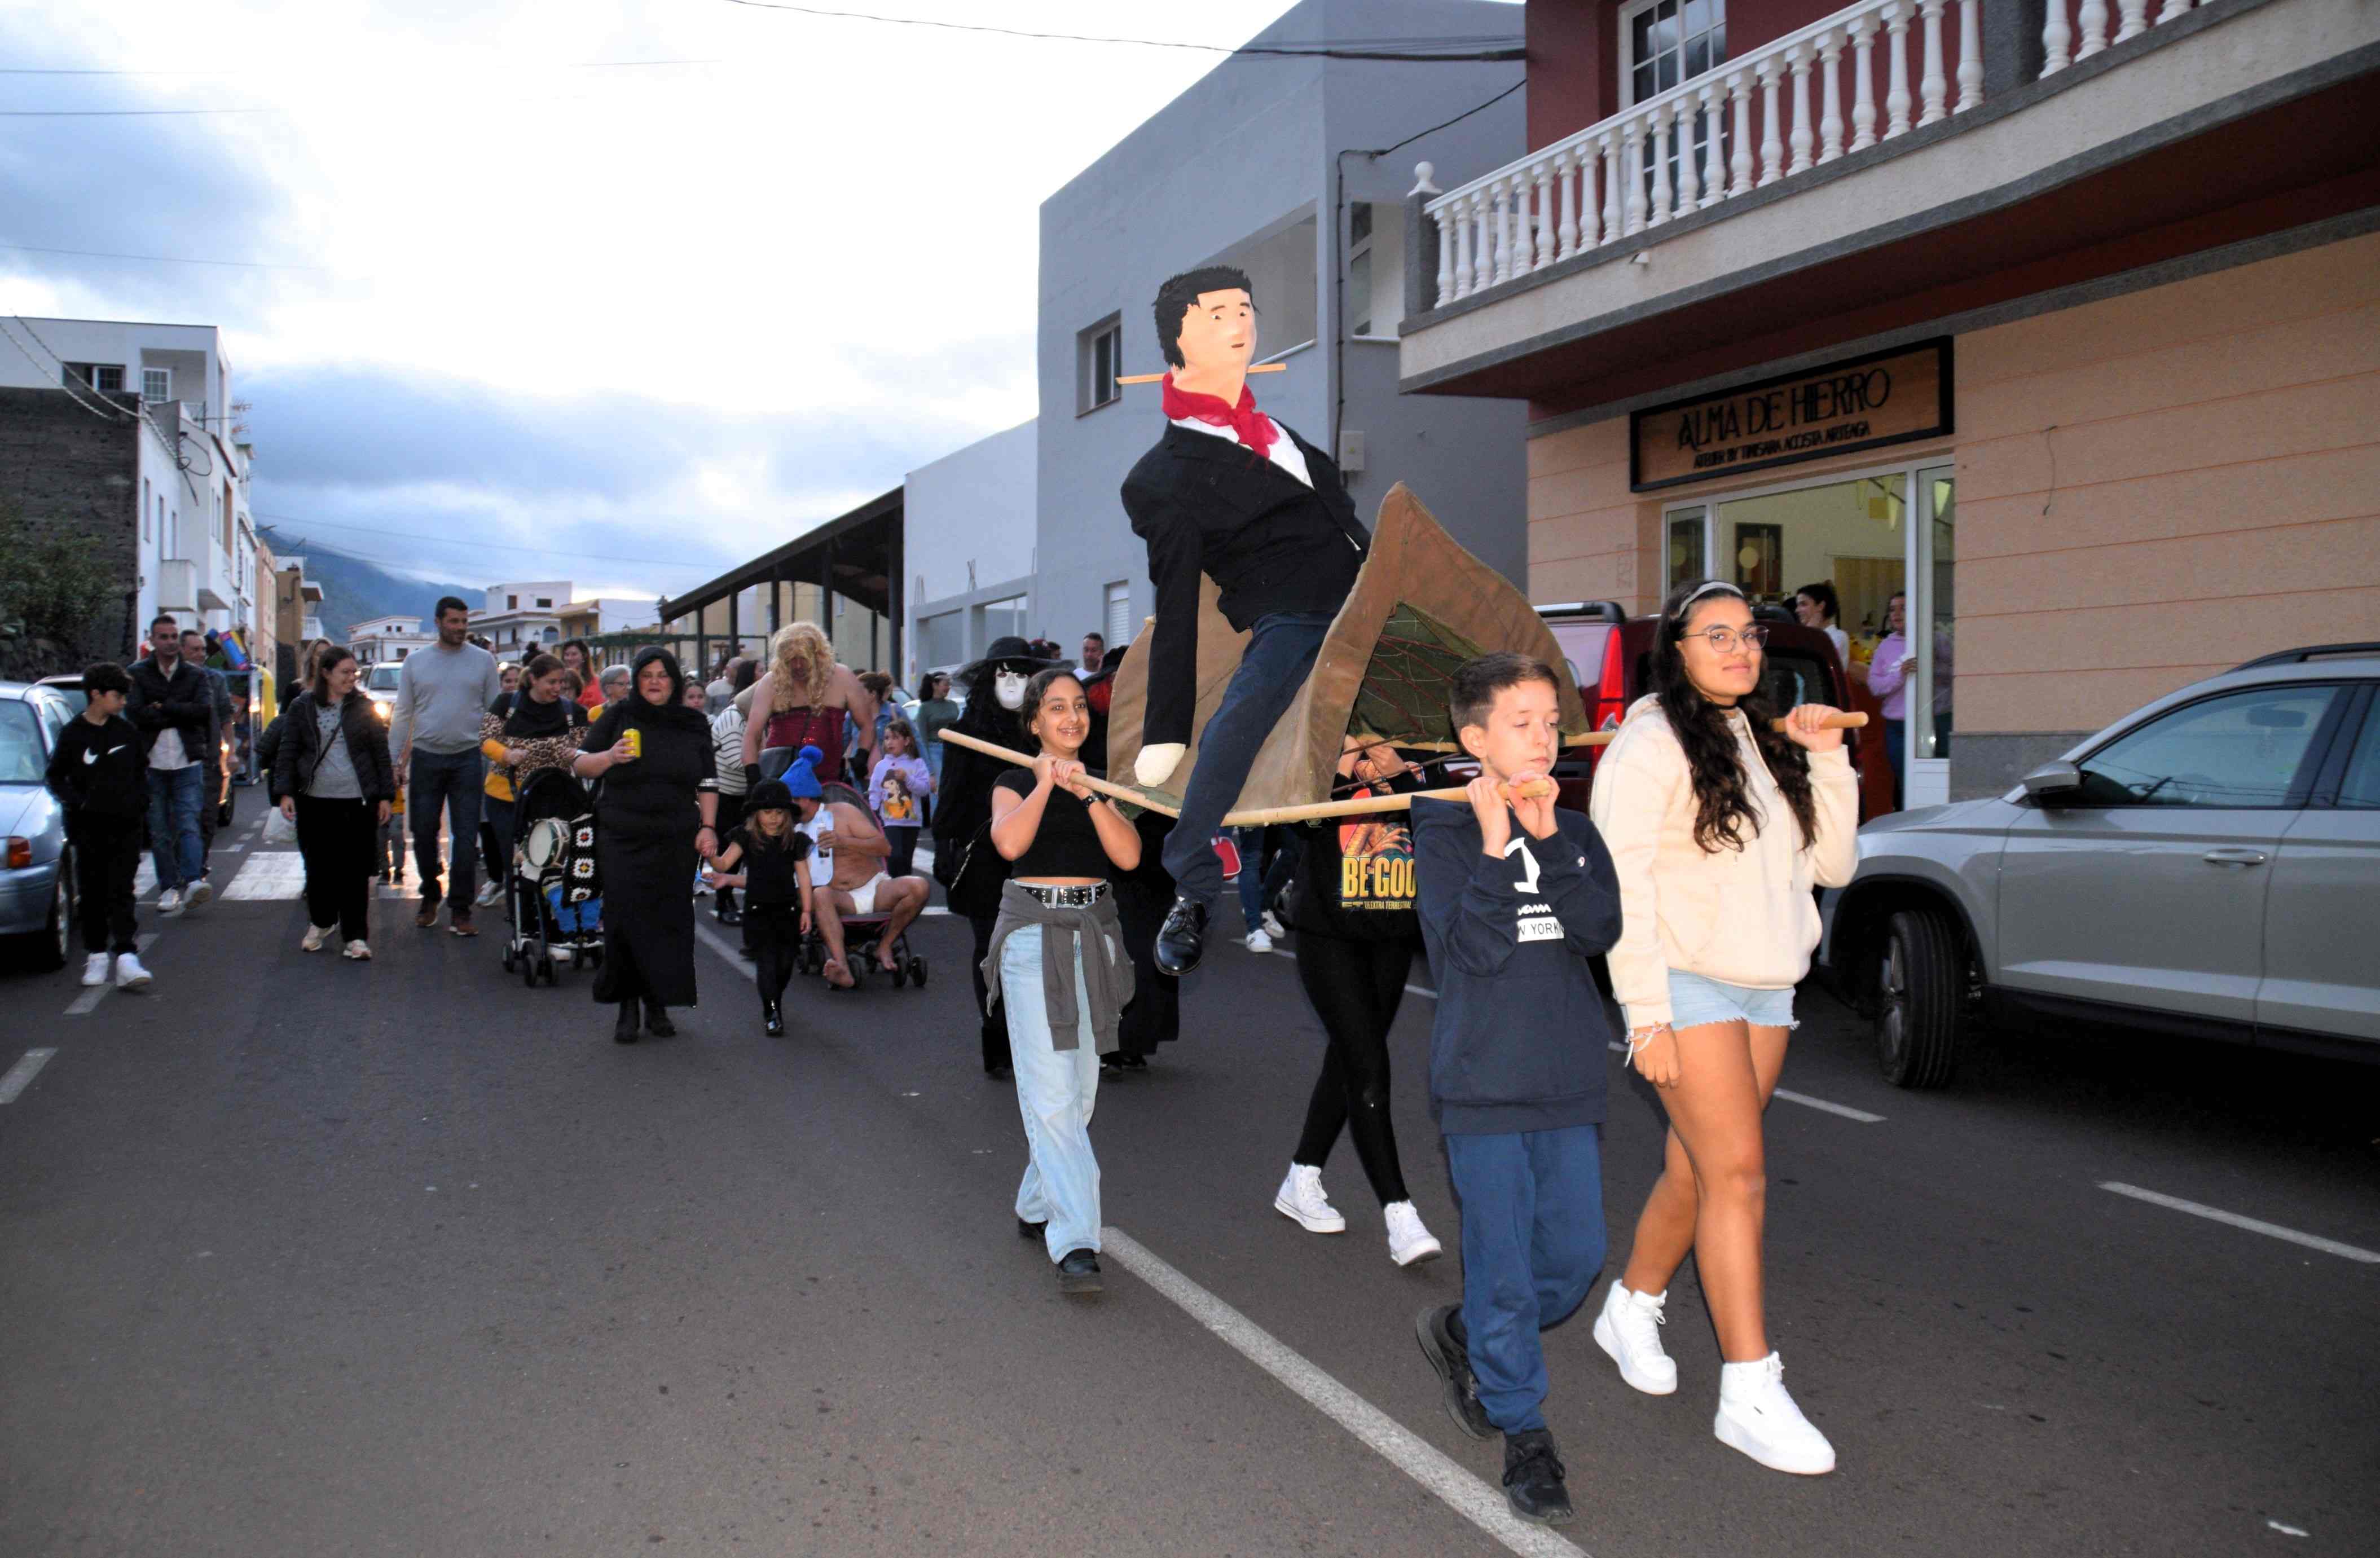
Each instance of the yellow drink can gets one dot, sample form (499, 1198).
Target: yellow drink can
(635, 739)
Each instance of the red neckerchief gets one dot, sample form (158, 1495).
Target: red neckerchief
(1254, 428)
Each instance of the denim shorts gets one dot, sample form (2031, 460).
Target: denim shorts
(1694, 1000)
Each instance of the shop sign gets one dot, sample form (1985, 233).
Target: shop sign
(1864, 403)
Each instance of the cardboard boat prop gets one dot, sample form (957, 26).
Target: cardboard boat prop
(1421, 606)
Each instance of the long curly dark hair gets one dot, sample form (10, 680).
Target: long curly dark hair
(1723, 809)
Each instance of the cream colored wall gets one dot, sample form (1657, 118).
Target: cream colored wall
(2157, 487)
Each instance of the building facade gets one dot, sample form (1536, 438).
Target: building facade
(1280, 166)
(2059, 319)
(385, 639)
(968, 530)
(179, 474)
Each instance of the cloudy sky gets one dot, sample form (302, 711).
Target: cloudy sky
(664, 284)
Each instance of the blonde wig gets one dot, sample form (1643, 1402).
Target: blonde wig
(806, 690)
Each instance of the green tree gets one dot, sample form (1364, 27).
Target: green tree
(56, 598)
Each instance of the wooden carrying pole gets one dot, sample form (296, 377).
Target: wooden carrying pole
(1605, 737)
(1152, 378)
(1262, 816)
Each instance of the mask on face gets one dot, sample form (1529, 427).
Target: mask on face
(1009, 688)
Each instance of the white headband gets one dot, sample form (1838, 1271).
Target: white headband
(1712, 587)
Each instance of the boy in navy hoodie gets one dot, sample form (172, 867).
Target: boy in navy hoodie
(98, 773)
(1514, 897)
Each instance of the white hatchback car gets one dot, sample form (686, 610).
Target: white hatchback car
(2207, 865)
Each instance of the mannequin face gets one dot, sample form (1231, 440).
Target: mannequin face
(1009, 688)
(1219, 337)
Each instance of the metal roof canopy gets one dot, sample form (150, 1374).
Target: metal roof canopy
(857, 557)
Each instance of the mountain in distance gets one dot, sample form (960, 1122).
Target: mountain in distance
(356, 589)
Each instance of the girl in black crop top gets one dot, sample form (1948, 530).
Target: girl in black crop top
(1054, 830)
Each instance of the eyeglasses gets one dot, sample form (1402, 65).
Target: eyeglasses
(1724, 640)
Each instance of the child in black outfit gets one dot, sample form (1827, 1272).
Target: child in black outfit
(1515, 897)
(770, 850)
(97, 772)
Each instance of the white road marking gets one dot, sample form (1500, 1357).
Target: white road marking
(144, 877)
(2254, 1225)
(720, 945)
(267, 877)
(22, 1073)
(1424, 1463)
(1845, 1110)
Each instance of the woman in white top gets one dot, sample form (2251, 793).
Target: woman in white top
(1718, 827)
(1817, 607)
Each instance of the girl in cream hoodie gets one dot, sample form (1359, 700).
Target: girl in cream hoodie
(1719, 827)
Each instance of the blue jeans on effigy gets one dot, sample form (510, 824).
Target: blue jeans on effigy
(1533, 1244)
(1055, 1092)
(175, 797)
(1272, 670)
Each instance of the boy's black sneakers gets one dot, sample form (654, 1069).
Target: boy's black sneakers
(1434, 1330)
(1078, 1272)
(1533, 1479)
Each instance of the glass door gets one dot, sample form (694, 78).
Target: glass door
(1933, 622)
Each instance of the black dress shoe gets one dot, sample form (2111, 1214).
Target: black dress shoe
(1533, 1479)
(1181, 940)
(1030, 1230)
(1001, 1072)
(1434, 1328)
(624, 1030)
(657, 1020)
(1078, 1272)
(772, 1019)
(1134, 1063)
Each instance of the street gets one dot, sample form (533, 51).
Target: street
(306, 1256)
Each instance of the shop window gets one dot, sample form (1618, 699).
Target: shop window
(1689, 555)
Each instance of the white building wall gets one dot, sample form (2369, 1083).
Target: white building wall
(967, 534)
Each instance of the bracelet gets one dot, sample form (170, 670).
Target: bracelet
(1640, 1037)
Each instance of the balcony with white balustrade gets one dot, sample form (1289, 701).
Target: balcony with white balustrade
(1894, 161)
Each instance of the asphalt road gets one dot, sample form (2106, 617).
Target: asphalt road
(303, 1256)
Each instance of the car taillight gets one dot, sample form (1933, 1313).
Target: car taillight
(1610, 692)
(20, 853)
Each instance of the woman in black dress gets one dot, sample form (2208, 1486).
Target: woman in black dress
(966, 865)
(654, 820)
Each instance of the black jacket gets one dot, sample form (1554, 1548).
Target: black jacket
(963, 805)
(300, 748)
(99, 771)
(185, 702)
(1519, 1038)
(1210, 505)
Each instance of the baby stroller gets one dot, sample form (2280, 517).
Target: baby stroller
(553, 901)
(861, 932)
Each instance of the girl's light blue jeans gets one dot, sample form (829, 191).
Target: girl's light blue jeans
(1055, 1092)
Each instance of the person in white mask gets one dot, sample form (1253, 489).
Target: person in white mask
(970, 869)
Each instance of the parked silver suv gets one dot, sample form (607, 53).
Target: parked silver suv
(2207, 865)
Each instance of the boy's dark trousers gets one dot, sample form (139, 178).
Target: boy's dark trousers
(774, 933)
(1533, 1244)
(108, 857)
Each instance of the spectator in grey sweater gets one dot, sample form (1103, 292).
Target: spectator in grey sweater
(443, 694)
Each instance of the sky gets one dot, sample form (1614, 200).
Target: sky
(523, 289)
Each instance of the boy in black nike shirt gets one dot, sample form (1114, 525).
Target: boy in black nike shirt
(98, 773)
(1514, 897)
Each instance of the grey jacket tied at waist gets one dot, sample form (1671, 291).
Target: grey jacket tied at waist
(1107, 972)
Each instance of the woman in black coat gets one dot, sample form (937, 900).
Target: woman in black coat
(654, 819)
(332, 776)
(966, 865)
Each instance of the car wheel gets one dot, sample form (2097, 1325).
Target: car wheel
(57, 931)
(1917, 999)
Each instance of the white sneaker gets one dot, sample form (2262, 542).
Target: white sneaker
(198, 893)
(94, 968)
(1408, 1241)
(488, 893)
(1758, 1418)
(130, 974)
(357, 950)
(1630, 1330)
(1301, 1200)
(170, 901)
(1259, 941)
(559, 954)
(317, 936)
(1271, 926)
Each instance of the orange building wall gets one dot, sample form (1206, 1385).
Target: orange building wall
(2151, 489)
(2207, 454)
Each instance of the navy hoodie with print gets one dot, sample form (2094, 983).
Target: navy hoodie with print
(1521, 1039)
